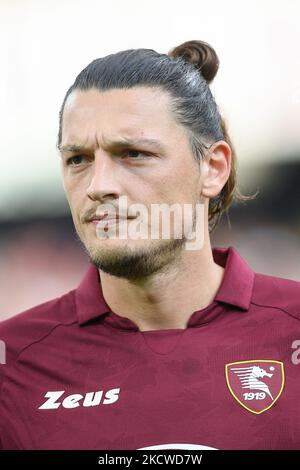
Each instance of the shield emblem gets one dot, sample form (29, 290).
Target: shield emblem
(257, 384)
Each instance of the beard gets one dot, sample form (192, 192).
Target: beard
(135, 263)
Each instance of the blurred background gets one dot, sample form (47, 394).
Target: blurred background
(45, 44)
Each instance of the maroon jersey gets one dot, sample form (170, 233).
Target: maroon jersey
(79, 376)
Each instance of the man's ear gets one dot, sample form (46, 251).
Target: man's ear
(216, 167)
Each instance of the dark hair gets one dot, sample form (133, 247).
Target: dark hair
(185, 73)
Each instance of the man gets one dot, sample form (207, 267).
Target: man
(166, 343)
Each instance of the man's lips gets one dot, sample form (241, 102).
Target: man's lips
(108, 218)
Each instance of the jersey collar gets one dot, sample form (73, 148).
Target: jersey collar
(237, 284)
(236, 287)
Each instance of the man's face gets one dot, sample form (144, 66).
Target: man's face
(146, 173)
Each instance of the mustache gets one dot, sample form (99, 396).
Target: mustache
(101, 211)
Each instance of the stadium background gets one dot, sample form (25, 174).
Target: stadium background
(44, 45)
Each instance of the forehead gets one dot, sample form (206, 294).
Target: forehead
(135, 112)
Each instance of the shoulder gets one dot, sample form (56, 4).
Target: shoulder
(277, 292)
(31, 325)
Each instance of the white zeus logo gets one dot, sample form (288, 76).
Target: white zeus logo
(76, 400)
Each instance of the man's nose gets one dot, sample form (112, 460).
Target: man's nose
(105, 179)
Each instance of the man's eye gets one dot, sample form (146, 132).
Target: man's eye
(75, 161)
(134, 154)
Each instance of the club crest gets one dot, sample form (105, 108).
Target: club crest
(256, 385)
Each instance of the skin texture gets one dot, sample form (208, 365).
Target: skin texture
(157, 284)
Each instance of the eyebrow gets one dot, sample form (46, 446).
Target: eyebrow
(117, 144)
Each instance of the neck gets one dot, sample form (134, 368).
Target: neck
(166, 300)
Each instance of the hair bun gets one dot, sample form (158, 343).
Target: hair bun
(200, 54)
